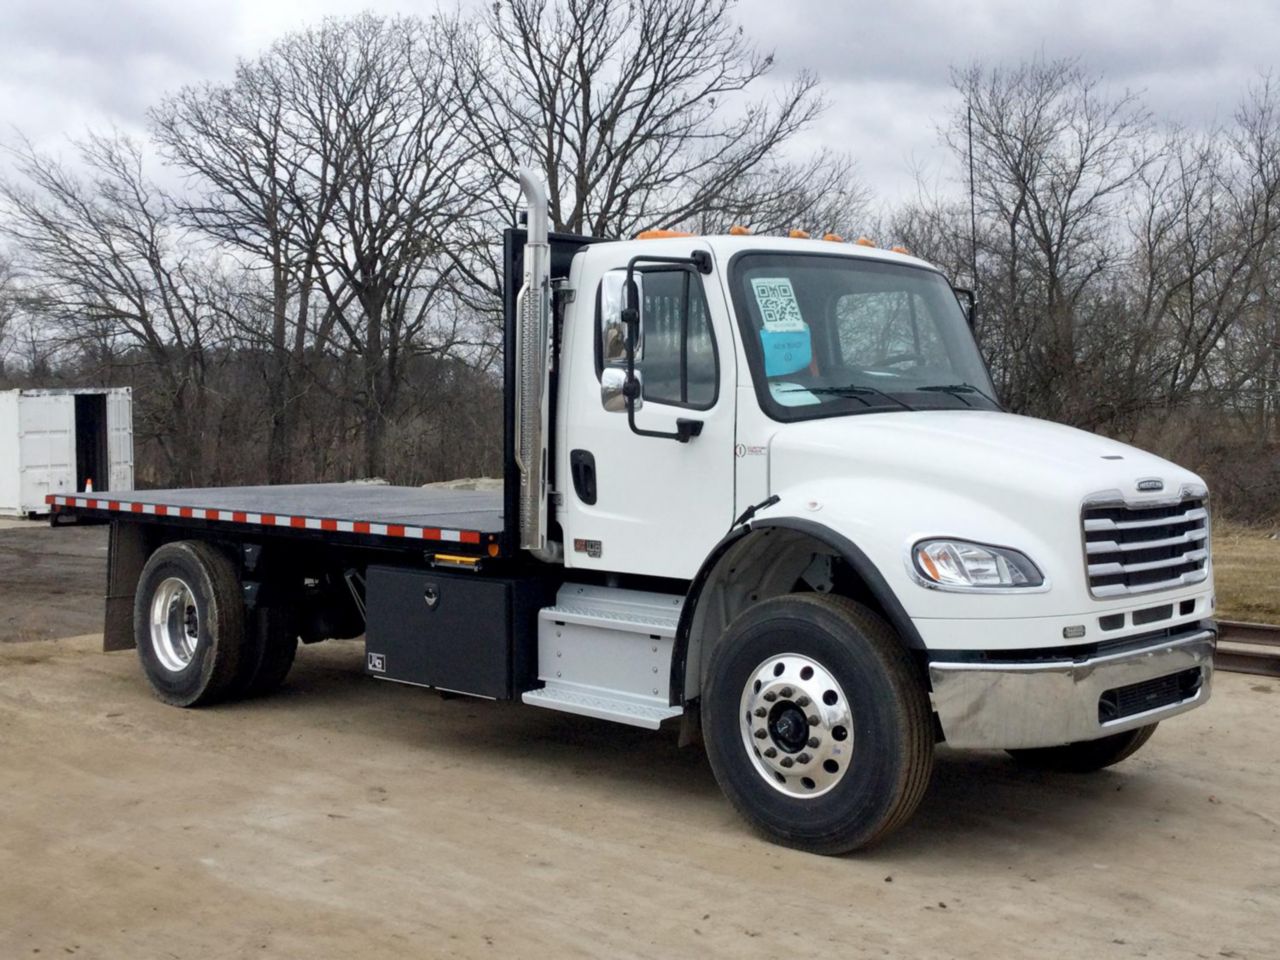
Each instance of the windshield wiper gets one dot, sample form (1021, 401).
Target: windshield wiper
(858, 391)
(958, 390)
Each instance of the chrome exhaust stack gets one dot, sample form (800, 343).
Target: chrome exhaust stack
(532, 346)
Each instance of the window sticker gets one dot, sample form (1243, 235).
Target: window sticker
(784, 338)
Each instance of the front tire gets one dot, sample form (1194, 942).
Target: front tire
(1086, 756)
(188, 622)
(817, 723)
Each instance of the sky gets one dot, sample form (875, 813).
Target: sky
(67, 66)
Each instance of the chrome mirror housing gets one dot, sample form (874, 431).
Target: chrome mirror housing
(613, 381)
(613, 332)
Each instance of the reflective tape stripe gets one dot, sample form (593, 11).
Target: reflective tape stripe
(397, 530)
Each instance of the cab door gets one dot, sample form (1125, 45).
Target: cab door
(644, 504)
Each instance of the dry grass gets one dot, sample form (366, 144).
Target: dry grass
(1246, 571)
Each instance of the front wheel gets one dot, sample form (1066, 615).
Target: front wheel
(817, 723)
(1086, 756)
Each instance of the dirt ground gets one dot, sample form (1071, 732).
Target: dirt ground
(348, 817)
(51, 579)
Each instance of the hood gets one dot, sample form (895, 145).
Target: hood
(986, 451)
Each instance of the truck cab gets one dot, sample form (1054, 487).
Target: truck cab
(775, 419)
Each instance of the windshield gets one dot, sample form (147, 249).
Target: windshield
(834, 335)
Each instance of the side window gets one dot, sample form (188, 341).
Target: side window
(679, 364)
(888, 327)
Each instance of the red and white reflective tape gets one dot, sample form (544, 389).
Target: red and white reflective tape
(270, 519)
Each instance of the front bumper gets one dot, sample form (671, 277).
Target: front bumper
(1010, 704)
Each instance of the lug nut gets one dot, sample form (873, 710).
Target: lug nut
(802, 701)
(803, 758)
(771, 696)
(761, 734)
(786, 692)
(788, 762)
(771, 753)
(814, 742)
(813, 720)
(761, 712)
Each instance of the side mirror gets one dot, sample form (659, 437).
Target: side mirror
(968, 303)
(613, 389)
(613, 331)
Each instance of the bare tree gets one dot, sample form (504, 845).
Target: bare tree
(385, 120)
(106, 274)
(1054, 160)
(639, 112)
(337, 164)
(259, 189)
(8, 310)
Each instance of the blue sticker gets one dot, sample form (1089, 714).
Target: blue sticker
(785, 351)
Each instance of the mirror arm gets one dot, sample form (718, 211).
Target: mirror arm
(970, 298)
(686, 429)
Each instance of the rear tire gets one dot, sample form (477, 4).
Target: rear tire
(188, 622)
(270, 649)
(861, 767)
(1086, 756)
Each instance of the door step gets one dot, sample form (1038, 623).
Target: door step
(605, 652)
(608, 705)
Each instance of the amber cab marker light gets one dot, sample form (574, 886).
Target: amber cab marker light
(864, 242)
(833, 237)
(798, 235)
(662, 234)
(737, 230)
(899, 248)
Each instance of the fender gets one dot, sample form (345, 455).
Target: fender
(841, 545)
(680, 651)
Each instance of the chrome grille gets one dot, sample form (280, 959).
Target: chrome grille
(1136, 548)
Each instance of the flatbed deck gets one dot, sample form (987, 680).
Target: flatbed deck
(362, 511)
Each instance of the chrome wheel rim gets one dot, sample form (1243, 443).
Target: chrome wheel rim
(175, 624)
(797, 725)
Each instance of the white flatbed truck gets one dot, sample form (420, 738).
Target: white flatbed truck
(757, 486)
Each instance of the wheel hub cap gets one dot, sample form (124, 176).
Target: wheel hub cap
(797, 725)
(175, 624)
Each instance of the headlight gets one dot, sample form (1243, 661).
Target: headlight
(963, 565)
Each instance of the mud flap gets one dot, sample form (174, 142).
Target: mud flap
(126, 556)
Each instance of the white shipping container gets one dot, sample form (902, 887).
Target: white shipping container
(59, 441)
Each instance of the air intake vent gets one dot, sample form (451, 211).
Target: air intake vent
(1139, 549)
(1138, 698)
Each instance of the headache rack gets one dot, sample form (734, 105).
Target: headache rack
(1134, 548)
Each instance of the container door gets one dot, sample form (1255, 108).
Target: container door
(120, 438)
(46, 436)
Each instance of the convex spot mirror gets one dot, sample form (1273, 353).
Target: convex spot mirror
(613, 384)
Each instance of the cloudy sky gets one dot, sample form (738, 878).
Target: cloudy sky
(68, 65)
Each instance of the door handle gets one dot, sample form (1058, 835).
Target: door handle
(582, 467)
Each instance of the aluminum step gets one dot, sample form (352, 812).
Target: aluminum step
(605, 652)
(615, 706)
(635, 611)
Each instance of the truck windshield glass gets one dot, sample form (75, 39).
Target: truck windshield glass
(834, 335)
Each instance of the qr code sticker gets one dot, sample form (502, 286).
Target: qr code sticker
(777, 302)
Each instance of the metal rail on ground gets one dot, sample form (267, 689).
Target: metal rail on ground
(1248, 648)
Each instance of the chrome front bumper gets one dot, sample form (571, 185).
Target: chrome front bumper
(1044, 703)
